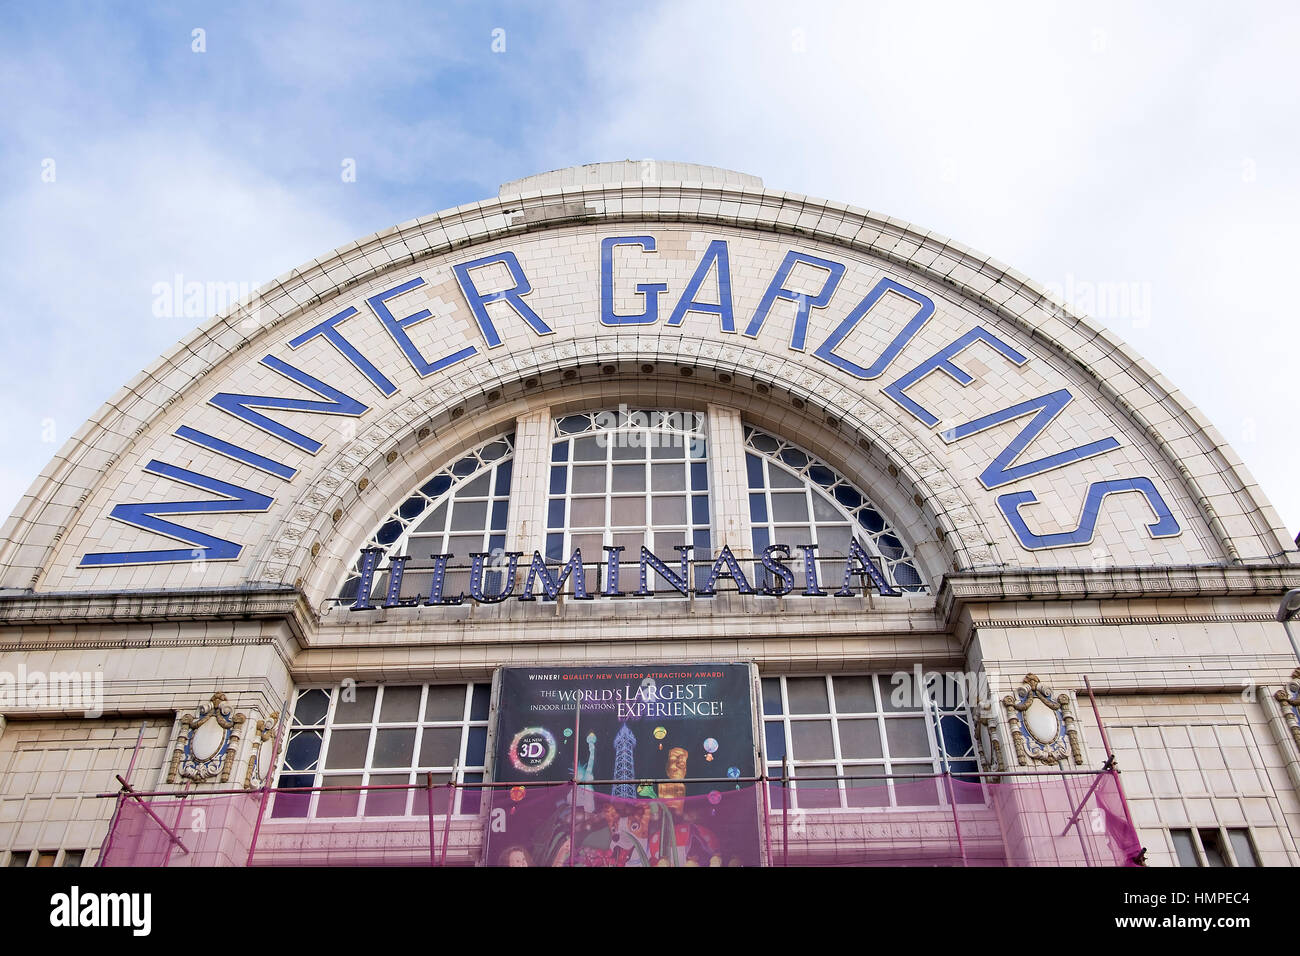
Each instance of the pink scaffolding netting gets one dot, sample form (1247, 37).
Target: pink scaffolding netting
(1039, 820)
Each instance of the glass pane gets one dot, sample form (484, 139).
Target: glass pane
(700, 510)
(824, 509)
(859, 738)
(471, 797)
(867, 787)
(440, 746)
(588, 479)
(1184, 847)
(502, 486)
(811, 739)
(386, 803)
(627, 512)
(554, 546)
(666, 511)
(632, 543)
(436, 485)
(311, 707)
(291, 804)
(667, 478)
(774, 738)
(783, 479)
(629, 447)
(476, 747)
(445, 702)
(482, 699)
(788, 506)
(833, 540)
(812, 794)
(1242, 848)
(854, 695)
(1213, 850)
(588, 448)
(771, 695)
(339, 803)
(420, 802)
(898, 692)
(666, 543)
(478, 488)
(908, 737)
(400, 705)
(590, 545)
(436, 522)
(347, 749)
(807, 695)
(628, 478)
(699, 476)
(587, 513)
(758, 507)
(956, 736)
(356, 705)
(469, 516)
(572, 423)
(303, 750)
(394, 747)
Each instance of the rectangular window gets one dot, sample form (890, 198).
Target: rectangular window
(864, 740)
(386, 738)
(1214, 846)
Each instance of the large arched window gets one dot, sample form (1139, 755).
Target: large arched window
(630, 478)
(795, 499)
(461, 509)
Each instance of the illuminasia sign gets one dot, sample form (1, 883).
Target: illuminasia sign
(625, 766)
(773, 576)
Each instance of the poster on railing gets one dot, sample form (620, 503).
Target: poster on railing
(625, 766)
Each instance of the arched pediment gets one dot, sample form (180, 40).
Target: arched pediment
(1013, 433)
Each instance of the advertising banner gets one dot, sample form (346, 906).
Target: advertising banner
(625, 766)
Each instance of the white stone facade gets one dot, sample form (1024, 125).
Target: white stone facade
(1175, 632)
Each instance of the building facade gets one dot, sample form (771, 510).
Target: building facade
(647, 415)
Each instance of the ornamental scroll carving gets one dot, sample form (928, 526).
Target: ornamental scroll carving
(988, 739)
(206, 744)
(1042, 724)
(254, 776)
(1288, 701)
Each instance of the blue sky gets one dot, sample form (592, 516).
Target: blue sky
(1144, 161)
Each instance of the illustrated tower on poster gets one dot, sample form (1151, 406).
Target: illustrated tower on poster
(624, 762)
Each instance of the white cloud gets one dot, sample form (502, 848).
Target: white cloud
(1104, 144)
(77, 320)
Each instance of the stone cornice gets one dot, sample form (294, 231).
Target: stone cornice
(958, 592)
(134, 607)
